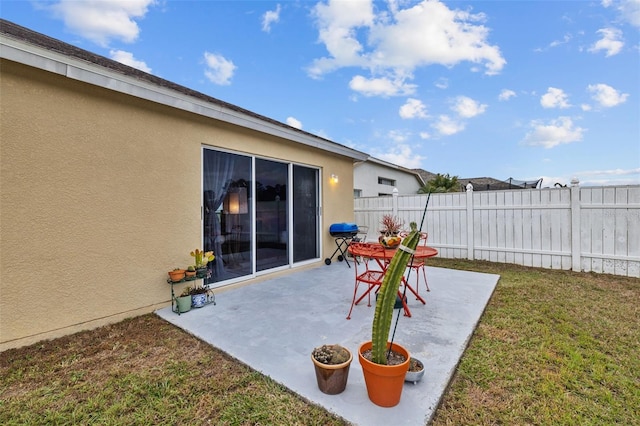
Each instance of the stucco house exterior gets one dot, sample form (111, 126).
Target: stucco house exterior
(375, 178)
(111, 176)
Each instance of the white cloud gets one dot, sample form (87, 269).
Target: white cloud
(219, 70)
(270, 17)
(447, 127)
(606, 95)
(397, 41)
(610, 177)
(403, 155)
(413, 108)
(629, 10)
(596, 178)
(506, 94)
(294, 122)
(100, 21)
(556, 132)
(425, 135)
(442, 83)
(612, 172)
(467, 107)
(566, 39)
(610, 42)
(380, 86)
(554, 98)
(128, 59)
(398, 136)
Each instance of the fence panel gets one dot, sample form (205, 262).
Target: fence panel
(592, 228)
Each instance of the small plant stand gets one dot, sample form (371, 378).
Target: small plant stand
(211, 298)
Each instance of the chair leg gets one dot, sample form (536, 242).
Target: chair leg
(355, 294)
(424, 275)
(353, 301)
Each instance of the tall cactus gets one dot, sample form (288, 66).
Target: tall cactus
(387, 295)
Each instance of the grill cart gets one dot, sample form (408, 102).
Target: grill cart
(343, 234)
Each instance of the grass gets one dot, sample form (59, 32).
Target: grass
(552, 347)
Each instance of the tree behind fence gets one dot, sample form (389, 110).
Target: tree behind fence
(581, 228)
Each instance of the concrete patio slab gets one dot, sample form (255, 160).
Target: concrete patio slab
(274, 325)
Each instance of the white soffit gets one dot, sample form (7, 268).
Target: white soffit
(87, 72)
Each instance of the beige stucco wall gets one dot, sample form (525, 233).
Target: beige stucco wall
(100, 197)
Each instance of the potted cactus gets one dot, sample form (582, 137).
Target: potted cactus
(190, 272)
(385, 364)
(331, 363)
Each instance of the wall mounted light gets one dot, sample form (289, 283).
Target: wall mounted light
(334, 178)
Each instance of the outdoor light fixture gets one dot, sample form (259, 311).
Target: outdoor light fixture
(334, 178)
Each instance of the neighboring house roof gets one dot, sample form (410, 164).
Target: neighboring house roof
(425, 175)
(28, 47)
(491, 184)
(485, 183)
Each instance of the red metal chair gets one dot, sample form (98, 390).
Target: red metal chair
(419, 265)
(367, 271)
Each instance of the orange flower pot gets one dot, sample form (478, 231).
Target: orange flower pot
(177, 275)
(384, 382)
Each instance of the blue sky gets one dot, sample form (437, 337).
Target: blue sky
(522, 89)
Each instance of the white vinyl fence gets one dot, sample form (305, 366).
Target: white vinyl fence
(577, 228)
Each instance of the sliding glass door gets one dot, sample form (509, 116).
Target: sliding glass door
(227, 206)
(272, 230)
(258, 214)
(306, 220)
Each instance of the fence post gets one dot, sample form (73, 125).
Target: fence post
(576, 249)
(394, 202)
(470, 243)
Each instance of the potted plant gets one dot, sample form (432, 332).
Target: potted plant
(183, 302)
(416, 371)
(177, 275)
(202, 258)
(331, 363)
(190, 272)
(385, 364)
(391, 226)
(198, 296)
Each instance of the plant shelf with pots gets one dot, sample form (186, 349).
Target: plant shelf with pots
(210, 296)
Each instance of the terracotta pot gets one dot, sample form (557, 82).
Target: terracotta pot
(190, 274)
(384, 382)
(332, 378)
(177, 275)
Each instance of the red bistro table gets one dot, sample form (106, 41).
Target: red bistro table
(382, 257)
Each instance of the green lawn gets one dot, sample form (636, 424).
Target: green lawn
(552, 347)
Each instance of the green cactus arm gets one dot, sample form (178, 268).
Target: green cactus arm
(387, 296)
